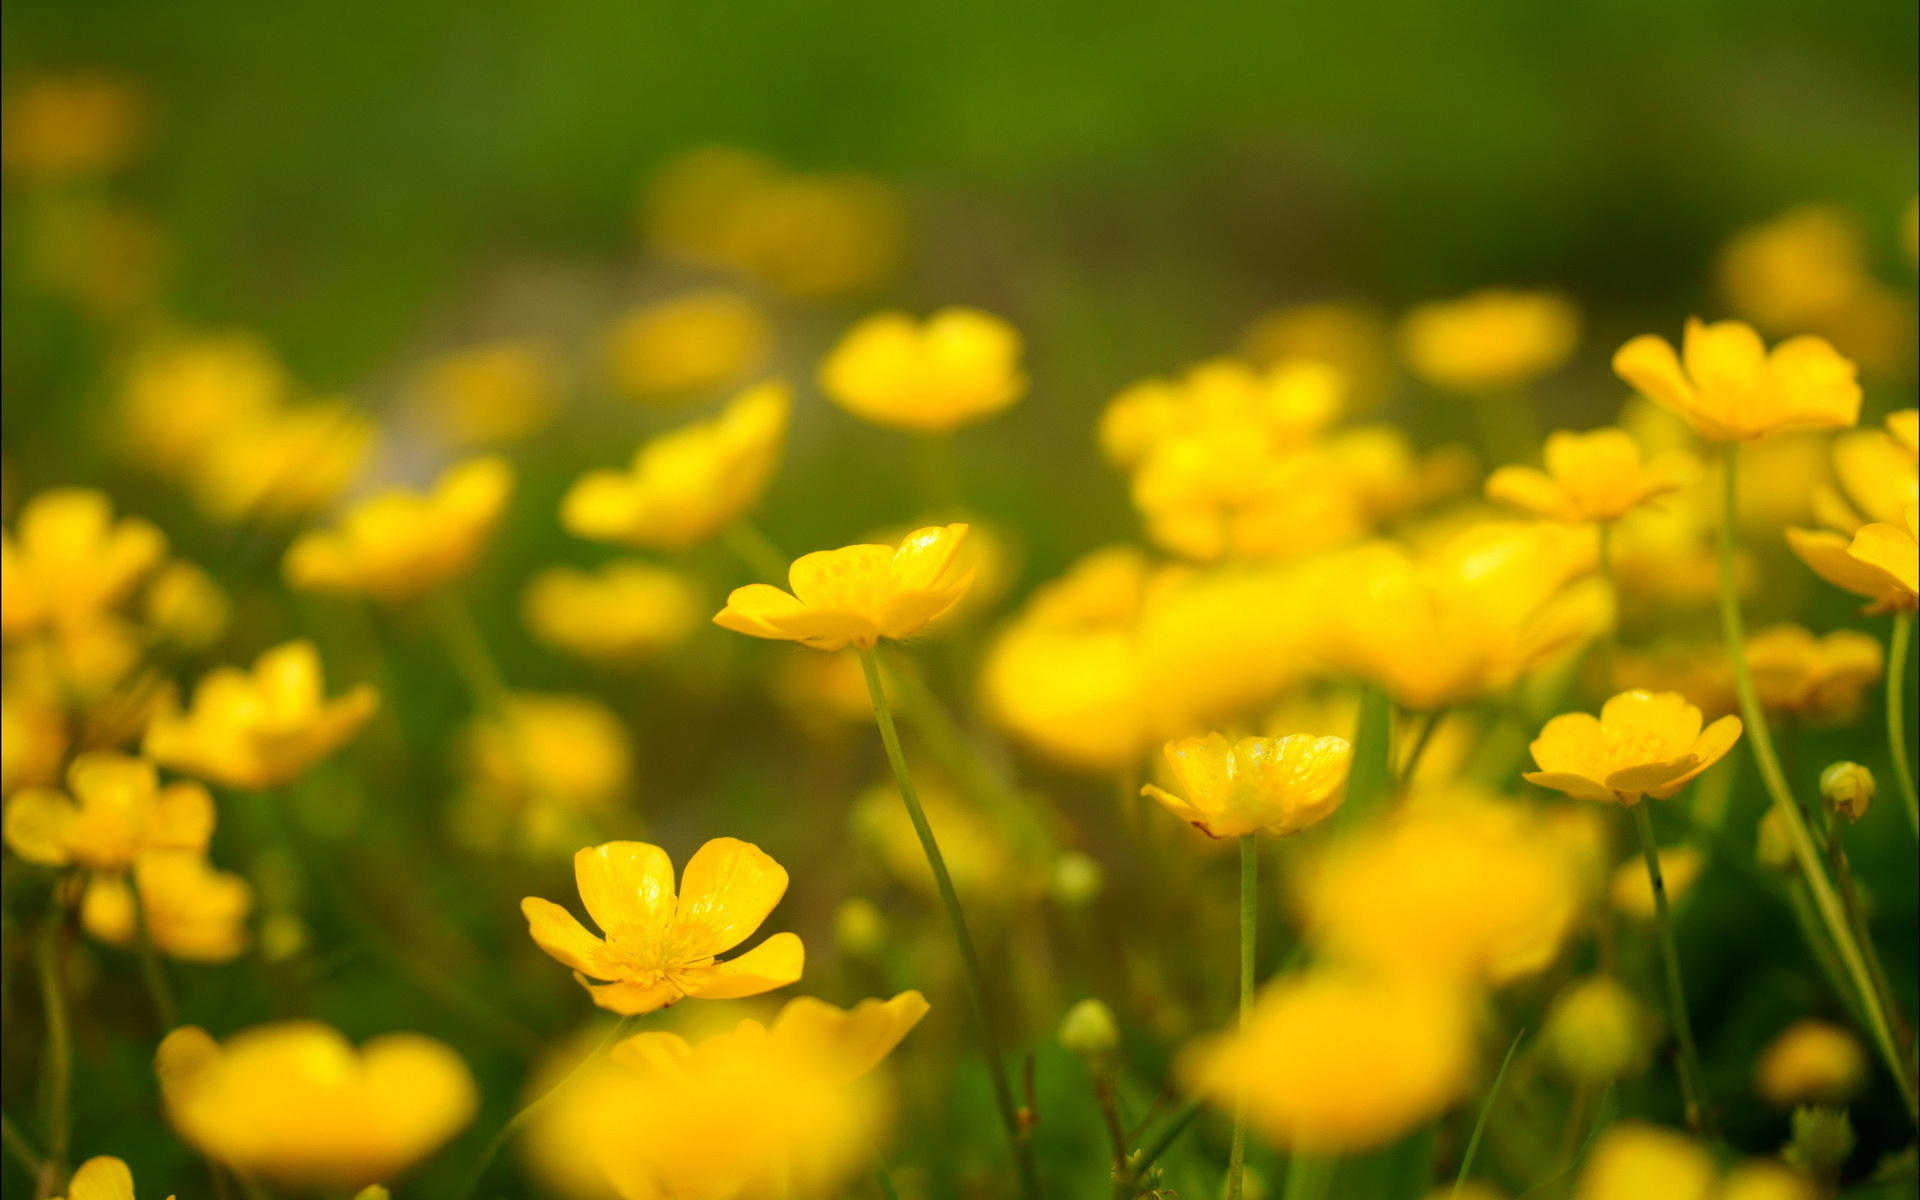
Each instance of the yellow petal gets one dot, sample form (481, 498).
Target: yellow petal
(1535, 491)
(1827, 554)
(1571, 743)
(1709, 748)
(1204, 766)
(850, 578)
(626, 886)
(1178, 807)
(749, 608)
(1656, 777)
(1578, 786)
(925, 554)
(726, 891)
(774, 963)
(1661, 724)
(37, 824)
(101, 1178)
(555, 930)
(1890, 549)
(1649, 363)
(631, 999)
(182, 818)
(826, 629)
(850, 1042)
(655, 1050)
(1816, 383)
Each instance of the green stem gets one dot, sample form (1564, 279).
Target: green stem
(1897, 652)
(514, 1123)
(460, 636)
(1857, 918)
(57, 1067)
(756, 551)
(1670, 962)
(1420, 745)
(1310, 1176)
(18, 1146)
(1826, 901)
(154, 971)
(1249, 915)
(885, 1180)
(969, 957)
(1480, 1122)
(1800, 900)
(1610, 636)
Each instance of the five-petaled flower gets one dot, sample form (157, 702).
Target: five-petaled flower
(957, 367)
(1729, 387)
(1642, 744)
(856, 594)
(1596, 476)
(1280, 785)
(399, 544)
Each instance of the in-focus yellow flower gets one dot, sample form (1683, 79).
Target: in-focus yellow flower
(185, 606)
(77, 125)
(1632, 892)
(625, 612)
(398, 544)
(193, 911)
(688, 344)
(485, 395)
(657, 950)
(1639, 1162)
(856, 594)
(114, 810)
(1276, 785)
(1332, 1062)
(1596, 1031)
(295, 1104)
(1810, 1062)
(71, 561)
(182, 395)
(1350, 338)
(1451, 885)
(1641, 744)
(286, 465)
(686, 485)
(1596, 476)
(1490, 341)
(261, 728)
(102, 1177)
(542, 773)
(1878, 563)
(957, 367)
(1731, 388)
(1818, 679)
(975, 850)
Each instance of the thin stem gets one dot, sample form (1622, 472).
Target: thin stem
(756, 551)
(1420, 744)
(57, 1067)
(151, 968)
(1670, 961)
(1480, 1122)
(1857, 917)
(18, 1146)
(479, 1172)
(1897, 651)
(1249, 915)
(1116, 1132)
(1826, 902)
(1176, 1125)
(1610, 636)
(881, 1177)
(950, 901)
(460, 636)
(1800, 900)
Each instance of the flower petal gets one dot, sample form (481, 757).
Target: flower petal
(774, 963)
(748, 609)
(848, 1042)
(1652, 778)
(1709, 748)
(631, 999)
(182, 818)
(555, 930)
(1204, 766)
(37, 824)
(1661, 725)
(1535, 491)
(1649, 363)
(1891, 549)
(726, 891)
(924, 556)
(626, 886)
(101, 1178)
(1572, 743)
(1578, 786)
(1827, 554)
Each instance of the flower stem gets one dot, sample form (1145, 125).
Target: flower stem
(1670, 961)
(460, 636)
(1826, 902)
(18, 1146)
(1857, 918)
(1249, 916)
(57, 1068)
(154, 971)
(1310, 1176)
(1480, 1122)
(969, 957)
(1897, 652)
(479, 1172)
(756, 551)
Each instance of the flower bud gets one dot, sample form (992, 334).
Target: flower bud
(1822, 1141)
(1810, 1062)
(1089, 1030)
(372, 1191)
(1772, 847)
(1847, 788)
(1077, 879)
(858, 928)
(1596, 1031)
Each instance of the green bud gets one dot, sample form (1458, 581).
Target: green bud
(1089, 1030)
(1596, 1031)
(858, 928)
(1847, 788)
(1077, 879)
(1822, 1141)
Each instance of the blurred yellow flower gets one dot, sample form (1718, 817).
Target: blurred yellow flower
(494, 393)
(1818, 679)
(193, 911)
(1490, 341)
(1285, 405)
(1641, 744)
(976, 852)
(957, 367)
(114, 810)
(657, 951)
(102, 1177)
(1350, 338)
(1762, 1179)
(684, 486)
(856, 594)
(1877, 563)
(185, 606)
(1731, 388)
(77, 125)
(294, 1104)
(288, 464)
(541, 772)
(625, 612)
(1275, 785)
(1791, 273)
(256, 730)
(71, 561)
(691, 343)
(1596, 476)
(33, 737)
(1596, 1031)
(1632, 892)
(1333, 1063)
(1878, 473)
(824, 694)
(184, 393)
(1639, 1162)
(398, 544)
(1810, 1062)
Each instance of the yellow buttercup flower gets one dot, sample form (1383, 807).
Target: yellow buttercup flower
(288, 464)
(295, 1104)
(542, 772)
(67, 561)
(485, 395)
(1878, 471)
(625, 612)
(1641, 744)
(1596, 476)
(33, 737)
(687, 344)
(1731, 388)
(1878, 563)
(114, 810)
(102, 1177)
(183, 395)
(1490, 341)
(398, 544)
(261, 728)
(1819, 679)
(1631, 892)
(193, 911)
(1638, 1162)
(656, 950)
(76, 125)
(1276, 785)
(1333, 1062)
(185, 606)
(957, 367)
(1286, 405)
(856, 594)
(1810, 1062)
(686, 485)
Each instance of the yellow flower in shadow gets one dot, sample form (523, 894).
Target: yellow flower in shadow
(1641, 744)
(398, 544)
(33, 736)
(293, 1103)
(1729, 387)
(67, 561)
(1596, 476)
(856, 594)
(1490, 341)
(499, 392)
(193, 911)
(657, 950)
(626, 612)
(1274, 785)
(688, 344)
(260, 728)
(114, 810)
(684, 486)
(953, 369)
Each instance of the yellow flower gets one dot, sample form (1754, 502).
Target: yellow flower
(1878, 563)
(542, 772)
(117, 810)
(957, 367)
(1491, 340)
(295, 1104)
(1641, 744)
(1332, 1062)
(1877, 471)
(856, 594)
(255, 730)
(1277, 785)
(102, 1177)
(1596, 1031)
(1286, 405)
(399, 544)
(76, 125)
(656, 950)
(185, 606)
(687, 344)
(182, 395)
(1820, 679)
(824, 694)
(288, 464)
(1639, 1162)
(1763, 1179)
(1632, 892)
(1597, 476)
(1350, 338)
(500, 392)
(193, 912)
(1452, 886)
(1732, 389)
(1791, 273)
(684, 486)
(33, 737)
(71, 561)
(625, 612)
(1810, 1062)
